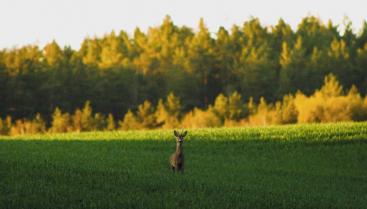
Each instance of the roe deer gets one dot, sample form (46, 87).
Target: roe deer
(177, 158)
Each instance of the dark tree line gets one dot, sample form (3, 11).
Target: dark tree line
(118, 72)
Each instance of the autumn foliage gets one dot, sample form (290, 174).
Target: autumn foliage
(330, 103)
(174, 76)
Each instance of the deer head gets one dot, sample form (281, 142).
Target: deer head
(179, 136)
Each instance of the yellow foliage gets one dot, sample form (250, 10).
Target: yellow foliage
(263, 115)
(167, 113)
(199, 119)
(289, 111)
(221, 106)
(21, 127)
(110, 123)
(330, 105)
(146, 116)
(60, 122)
(5, 125)
(130, 122)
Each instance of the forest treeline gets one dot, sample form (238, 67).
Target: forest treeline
(330, 103)
(119, 72)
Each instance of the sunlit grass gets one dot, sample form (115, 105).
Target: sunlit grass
(307, 132)
(295, 166)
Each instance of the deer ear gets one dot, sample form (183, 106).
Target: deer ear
(184, 133)
(175, 133)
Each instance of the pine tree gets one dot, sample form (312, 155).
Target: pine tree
(86, 117)
(331, 87)
(111, 123)
(171, 111)
(146, 115)
(293, 68)
(60, 122)
(289, 111)
(235, 106)
(111, 52)
(2, 132)
(38, 125)
(77, 120)
(361, 62)
(99, 122)
(130, 122)
(201, 64)
(161, 113)
(90, 51)
(221, 107)
(53, 53)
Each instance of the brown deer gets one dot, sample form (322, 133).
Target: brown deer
(177, 158)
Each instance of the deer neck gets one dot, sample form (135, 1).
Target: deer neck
(179, 148)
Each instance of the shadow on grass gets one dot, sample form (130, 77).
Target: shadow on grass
(219, 174)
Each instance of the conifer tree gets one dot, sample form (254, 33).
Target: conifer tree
(77, 120)
(60, 122)
(86, 119)
(98, 122)
(110, 123)
(221, 107)
(130, 122)
(53, 53)
(235, 106)
(38, 125)
(168, 113)
(146, 116)
(2, 132)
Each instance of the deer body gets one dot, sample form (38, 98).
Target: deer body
(177, 158)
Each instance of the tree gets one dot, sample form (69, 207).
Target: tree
(263, 114)
(168, 113)
(146, 116)
(221, 107)
(289, 111)
(293, 68)
(255, 35)
(111, 55)
(314, 33)
(38, 125)
(161, 113)
(77, 120)
(86, 119)
(235, 106)
(98, 122)
(52, 53)
(110, 123)
(130, 122)
(60, 122)
(361, 73)
(257, 73)
(331, 87)
(281, 34)
(3, 130)
(198, 118)
(90, 51)
(339, 62)
(201, 64)
(117, 72)
(225, 52)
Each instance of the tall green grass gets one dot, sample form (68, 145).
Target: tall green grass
(297, 166)
(303, 132)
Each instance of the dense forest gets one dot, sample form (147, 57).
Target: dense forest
(121, 74)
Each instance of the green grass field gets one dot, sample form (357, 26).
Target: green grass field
(298, 166)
